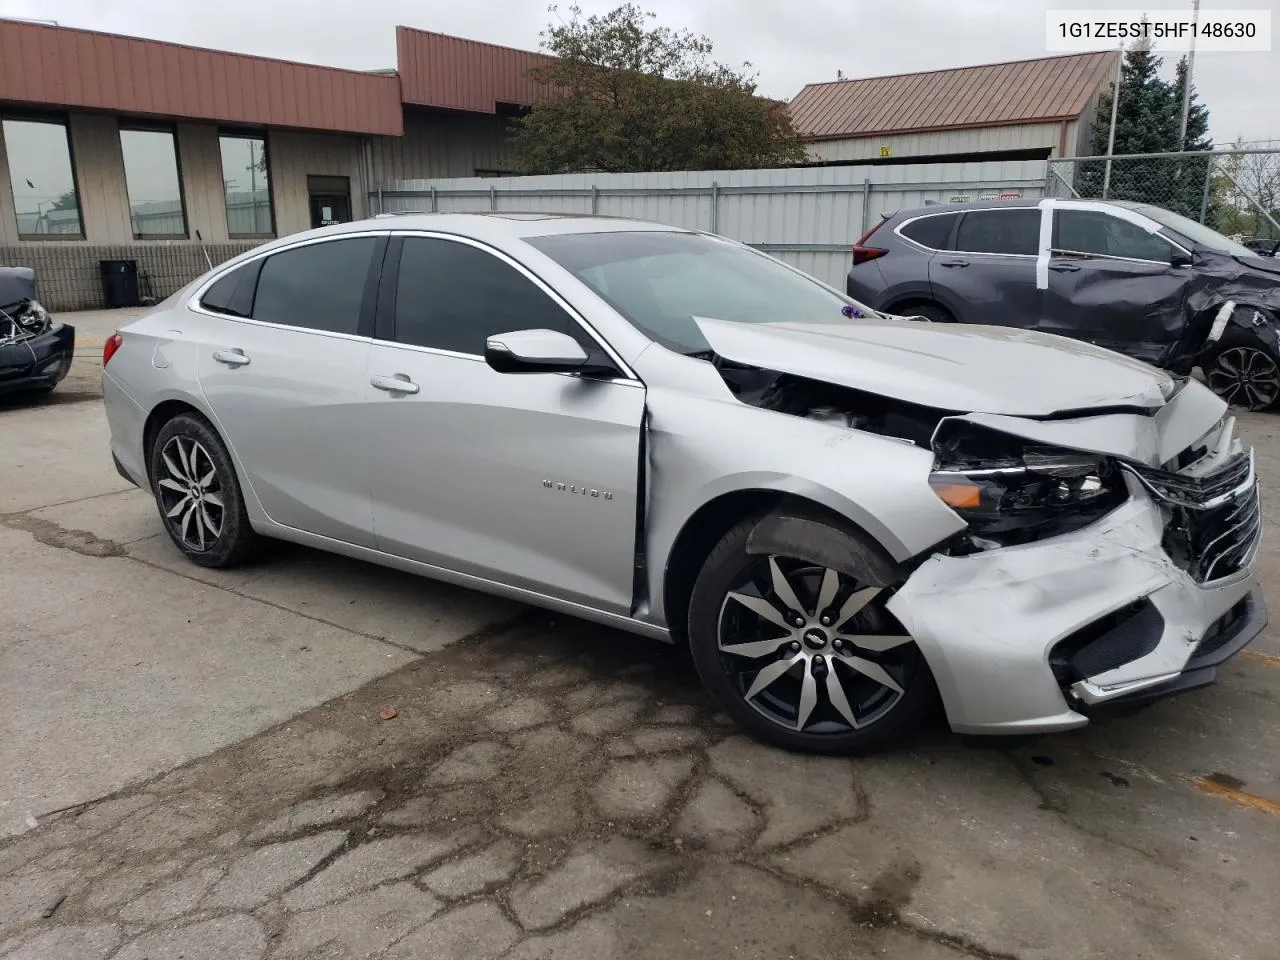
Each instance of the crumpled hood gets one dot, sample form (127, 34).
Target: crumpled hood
(957, 367)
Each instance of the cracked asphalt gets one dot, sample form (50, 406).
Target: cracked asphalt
(197, 765)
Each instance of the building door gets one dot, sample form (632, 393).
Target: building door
(330, 200)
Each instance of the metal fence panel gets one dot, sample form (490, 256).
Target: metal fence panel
(807, 216)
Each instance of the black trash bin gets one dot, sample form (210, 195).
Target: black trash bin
(120, 283)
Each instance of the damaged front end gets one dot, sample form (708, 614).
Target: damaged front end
(1086, 581)
(35, 351)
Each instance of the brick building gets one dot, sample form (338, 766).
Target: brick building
(117, 148)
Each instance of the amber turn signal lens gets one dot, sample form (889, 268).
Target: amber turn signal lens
(959, 495)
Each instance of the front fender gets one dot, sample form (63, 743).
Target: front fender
(702, 449)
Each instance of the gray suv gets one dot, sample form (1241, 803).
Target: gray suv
(1134, 278)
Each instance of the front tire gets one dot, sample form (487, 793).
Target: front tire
(803, 656)
(198, 494)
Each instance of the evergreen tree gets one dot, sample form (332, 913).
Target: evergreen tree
(1147, 121)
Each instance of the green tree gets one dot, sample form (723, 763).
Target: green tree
(67, 201)
(624, 95)
(1147, 121)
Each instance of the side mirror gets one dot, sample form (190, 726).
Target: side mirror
(1180, 259)
(534, 351)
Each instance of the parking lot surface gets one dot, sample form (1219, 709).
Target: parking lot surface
(317, 758)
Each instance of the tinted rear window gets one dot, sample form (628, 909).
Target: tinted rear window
(319, 287)
(1000, 231)
(932, 232)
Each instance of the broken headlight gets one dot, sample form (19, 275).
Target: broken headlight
(1040, 492)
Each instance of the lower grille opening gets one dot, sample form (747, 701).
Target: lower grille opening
(1112, 641)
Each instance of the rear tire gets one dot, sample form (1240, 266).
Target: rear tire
(846, 680)
(933, 312)
(198, 494)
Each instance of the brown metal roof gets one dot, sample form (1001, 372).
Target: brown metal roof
(63, 67)
(1024, 91)
(437, 70)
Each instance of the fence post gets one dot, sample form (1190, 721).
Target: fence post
(493, 197)
(866, 202)
(380, 208)
(1208, 185)
(715, 207)
(595, 199)
(434, 203)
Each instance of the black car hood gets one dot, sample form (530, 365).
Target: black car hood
(16, 285)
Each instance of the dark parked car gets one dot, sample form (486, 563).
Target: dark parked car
(1131, 277)
(1261, 245)
(35, 352)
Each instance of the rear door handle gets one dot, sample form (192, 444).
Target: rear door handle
(232, 357)
(954, 263)
(1065, 267)
(397, 384)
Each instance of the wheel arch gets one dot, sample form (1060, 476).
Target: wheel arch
(175, 405)
(901, 305)
(784, 519)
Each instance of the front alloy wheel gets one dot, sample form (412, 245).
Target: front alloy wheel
(1245, 377)
(806, 656)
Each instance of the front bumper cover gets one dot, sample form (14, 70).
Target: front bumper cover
(987, 623)
(39, 361)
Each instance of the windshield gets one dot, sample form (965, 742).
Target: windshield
(1197, 233)
(660, 281)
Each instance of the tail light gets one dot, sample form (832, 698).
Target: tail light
(110, 347)
(861, 252)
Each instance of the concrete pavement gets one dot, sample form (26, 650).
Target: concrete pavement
(205, 761)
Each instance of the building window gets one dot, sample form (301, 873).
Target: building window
(154, 183)
(42, 178)
(246, 180)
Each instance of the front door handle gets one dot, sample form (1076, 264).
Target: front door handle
(232, 357)
(1065, 267)
(954, 263)
(397, 384)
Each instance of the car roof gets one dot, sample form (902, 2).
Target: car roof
(1003, 205)
(499, 225)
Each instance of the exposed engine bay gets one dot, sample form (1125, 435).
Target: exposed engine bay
(21, 315)
(831, 403)
(23, 321)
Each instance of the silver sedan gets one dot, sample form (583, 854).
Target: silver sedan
(846, 516)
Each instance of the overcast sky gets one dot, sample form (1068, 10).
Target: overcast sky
(789, 42)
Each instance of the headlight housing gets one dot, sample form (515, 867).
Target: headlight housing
(1010, 491)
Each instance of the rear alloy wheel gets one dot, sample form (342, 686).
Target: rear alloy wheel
(198, 495)
(1245, 377)
(805, 656)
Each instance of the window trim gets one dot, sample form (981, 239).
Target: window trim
(955, 234)
(628, 375)
(141, 126)
(951, 234)
(195, 306)
(240, 133)
(59, 119)
(1082, 255)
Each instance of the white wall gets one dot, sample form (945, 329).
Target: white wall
(809, 216)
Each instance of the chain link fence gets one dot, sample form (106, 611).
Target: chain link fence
(1236, 192)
